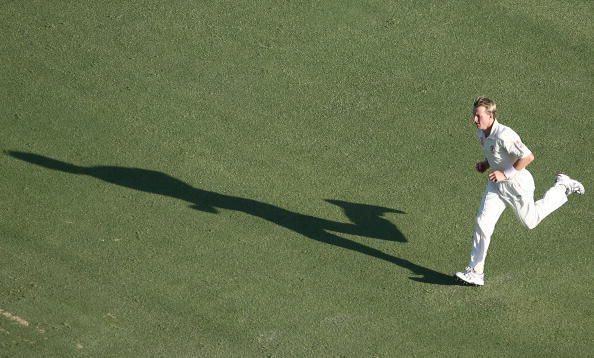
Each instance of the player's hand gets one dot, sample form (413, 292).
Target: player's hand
(496, 176)
(481, 167)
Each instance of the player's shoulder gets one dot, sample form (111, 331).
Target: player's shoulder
(504, 132)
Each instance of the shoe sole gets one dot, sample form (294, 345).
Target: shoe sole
(460, 279)
(580, 188)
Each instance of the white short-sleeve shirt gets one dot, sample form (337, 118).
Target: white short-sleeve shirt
(503, 147)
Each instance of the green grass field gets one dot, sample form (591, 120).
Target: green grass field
(287, 179)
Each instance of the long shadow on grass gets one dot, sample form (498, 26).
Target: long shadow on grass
(366, 220)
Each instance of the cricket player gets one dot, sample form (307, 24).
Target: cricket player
(510, 184)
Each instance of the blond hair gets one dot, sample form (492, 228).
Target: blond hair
(488, 103)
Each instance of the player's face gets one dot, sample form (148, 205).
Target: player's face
(482, 118)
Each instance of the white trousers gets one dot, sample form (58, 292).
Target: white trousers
(517, 193)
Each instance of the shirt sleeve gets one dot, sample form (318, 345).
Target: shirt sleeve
(514, 146)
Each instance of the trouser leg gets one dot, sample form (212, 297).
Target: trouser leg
(491, 208)
(529, 212)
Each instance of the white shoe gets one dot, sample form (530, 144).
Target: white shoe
(571, 185)
(471, 277)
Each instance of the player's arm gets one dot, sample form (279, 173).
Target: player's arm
(523, 162)
(513, 170)
(516, 148)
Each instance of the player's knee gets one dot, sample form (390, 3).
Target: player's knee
(484, 226)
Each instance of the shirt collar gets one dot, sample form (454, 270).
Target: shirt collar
(494, 128)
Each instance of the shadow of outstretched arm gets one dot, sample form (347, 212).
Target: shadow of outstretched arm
(367, 220)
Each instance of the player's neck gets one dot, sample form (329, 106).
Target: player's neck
(488, 130)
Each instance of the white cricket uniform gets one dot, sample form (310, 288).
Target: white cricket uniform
(502, 148)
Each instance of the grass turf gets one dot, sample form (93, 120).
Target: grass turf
(205, 179)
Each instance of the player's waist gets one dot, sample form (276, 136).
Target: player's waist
(519, 176)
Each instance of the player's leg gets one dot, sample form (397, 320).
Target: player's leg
(487, 216)
(491, 208)
(521, 198)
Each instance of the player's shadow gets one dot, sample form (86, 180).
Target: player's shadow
(366, 220)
